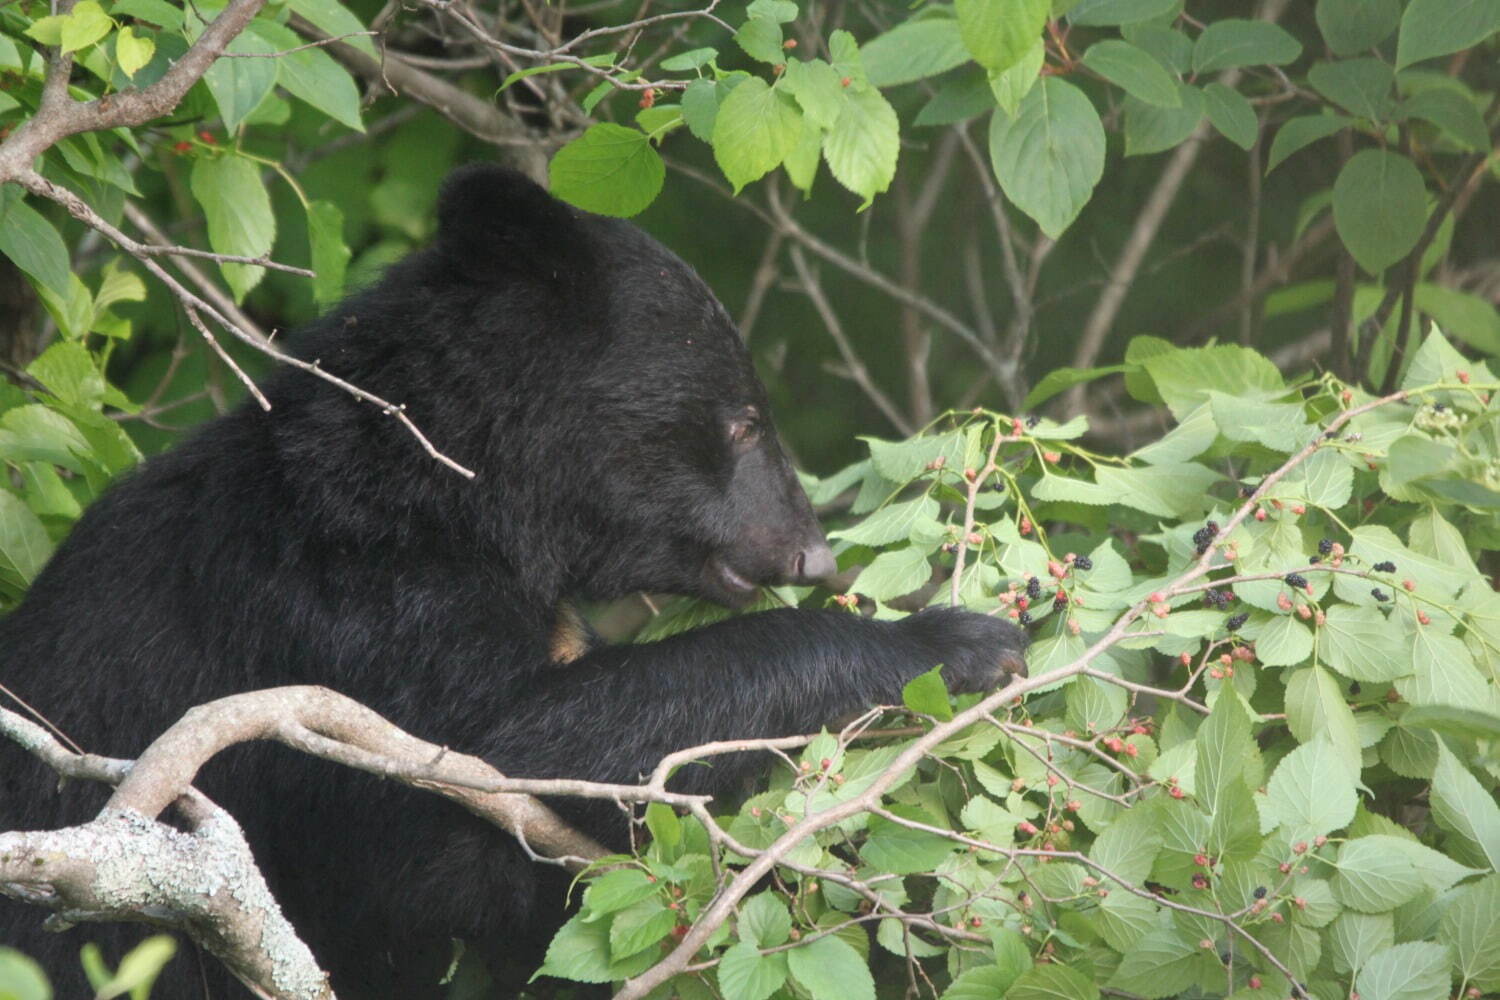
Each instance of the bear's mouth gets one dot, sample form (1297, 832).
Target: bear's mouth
(736, 586)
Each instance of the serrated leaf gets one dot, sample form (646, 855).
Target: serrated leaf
(1314, 704)
(334, 18)
(1471, 926)
(329, 253)
(745, 974)
(862, 147)
(1128, 847)
(1436, 27)
(901, 850)
(1052, 982)
(1379, 207)
(760, 37)
(610, 170)
(580, 951)
(1470, 318)
(689, 60)
(998, 33)
(616, 890)
(764, 920)
(700, 107)
(983, 982)
(24, 543)
(1462, 805)
(818, 90)
(914, 50)
(83, 26)
(830, 969)
(1354, 937)
(1417, 970)
(1362, 645)
(1161, 964)
(1311, 791)
(238, 211)
(893, 573)
(1284, 642)
(1132, 69)
(1373, 879)
(754, 130)
(638, 927)
(1299, 133)
(1050, 156)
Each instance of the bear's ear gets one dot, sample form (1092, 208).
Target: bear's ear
(492, 219)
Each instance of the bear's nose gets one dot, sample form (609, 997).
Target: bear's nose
(814, 563)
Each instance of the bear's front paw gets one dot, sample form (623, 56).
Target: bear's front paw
(978, 653)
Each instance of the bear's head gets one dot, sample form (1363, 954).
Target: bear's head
(675, 479)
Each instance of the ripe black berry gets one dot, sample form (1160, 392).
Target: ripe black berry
(1325, 546)
(1204, 536)
(1260, 892)
(1034, 588)
(1060, 601)
(1384, 567)
(1236, 621)
(1024, 618)
(1033, 420)
(1083, 562)
(1296, 580)
(1379, 594)
(1354, 687)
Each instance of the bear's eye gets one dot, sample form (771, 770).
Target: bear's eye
(745, 428)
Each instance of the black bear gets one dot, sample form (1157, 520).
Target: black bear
(622, 442)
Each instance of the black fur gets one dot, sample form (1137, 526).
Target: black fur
(622, 443)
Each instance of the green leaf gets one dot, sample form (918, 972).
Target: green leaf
(1151, 129)
(68, 371)
(1225, 747)
(1128, 847)
(1110, 12)
(900, 850)
(1314, 704)
(1284, 642)
(1361, 87)
(31, 243)
(610, 169)
(580, 951)
(1471, 925)
(239, 85)
(1299, 133)
(1362, 645)
(24, 545)
(818, 90)
(1231, 114)
(312, 75)
(139, 968)
(830, 969)
(1462, 805)
(1232, 42)
(1353, 26)
(700, 106)
(760, 37)
(329, 253)
(998, 33)
(238, 211)
(616, 890)
(927, 694)
(132, 51)
(893, 573)
(745, 974)
(780, 11)
(1163, 963)
(1437, 27)
(861, 149)
(1060, 379)
(1372, 878)
(690, 60)
(1469, 317)
(1139, 74)
(764, 920)
(1311, 791)
(1379, 207)
(1354, 937)
(753, 132)
(638, 927)
(1009, 87)
(962, 96)
(1451, 111)
(983, 982)
(85, 25)
(914, 50)
(21, 978)
(334, 19)
(801, 164)
(1049, 157)
(1052, 982)
(1417, 970)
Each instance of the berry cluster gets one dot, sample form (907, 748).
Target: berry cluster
(1236, 621)
(1218, 598)
(1083, 562)
(1295, 580)
(1204, 536)
(1384, 567)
